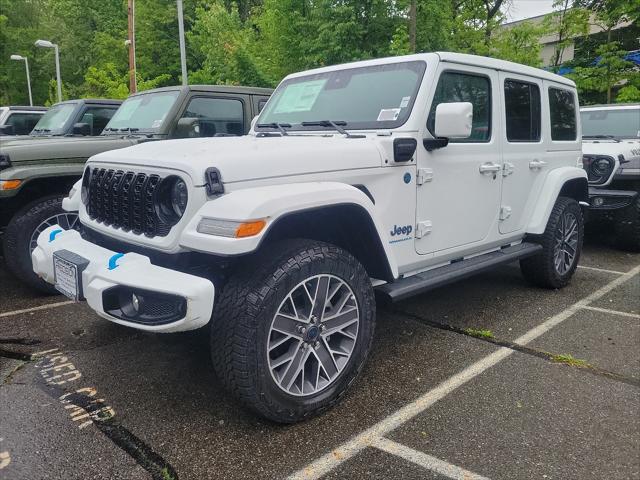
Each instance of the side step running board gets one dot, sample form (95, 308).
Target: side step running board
(423, 282)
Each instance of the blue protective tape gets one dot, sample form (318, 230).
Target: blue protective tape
(53, 234)
(114, 259)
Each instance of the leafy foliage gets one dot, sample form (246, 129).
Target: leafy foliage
(257, 42)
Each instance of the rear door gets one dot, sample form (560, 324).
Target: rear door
(524, 160)
(459, 193)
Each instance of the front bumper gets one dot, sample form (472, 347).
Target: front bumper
(601, 200)
(107, 272)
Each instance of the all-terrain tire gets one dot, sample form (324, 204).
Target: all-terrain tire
(246, 307)
(627, 227)
(17, 237)
(541, 269)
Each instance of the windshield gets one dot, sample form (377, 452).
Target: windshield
(618, 123)
(142, 112)
(55, 119)
(379, 96)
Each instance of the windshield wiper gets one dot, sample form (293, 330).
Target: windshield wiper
(600, 137)
(279, 126)
(337, 125)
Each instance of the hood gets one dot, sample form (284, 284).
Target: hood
(250, 157)
(31, 149)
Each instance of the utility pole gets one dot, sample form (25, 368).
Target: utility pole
(131, 43)
(412, 26)
(183, 55)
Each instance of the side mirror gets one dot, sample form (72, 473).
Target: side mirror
(6, 130)
(188, 127)
(81, 129)
(454, 120)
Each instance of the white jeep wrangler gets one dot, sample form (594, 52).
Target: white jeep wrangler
(611, 147)
(393, 176)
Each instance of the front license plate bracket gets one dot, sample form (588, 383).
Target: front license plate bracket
(67, 273)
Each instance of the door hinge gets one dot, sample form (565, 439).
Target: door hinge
(507, 169)
(423, 228)
(424, 175)
(505, 212)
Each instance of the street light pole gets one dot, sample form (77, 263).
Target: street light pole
(48, 44)
(58, 79)
(183, 55)
(26, 65)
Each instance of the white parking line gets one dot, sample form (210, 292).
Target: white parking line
(35, 309)
(603, 270)
(613, 312)
(426, 461)
(356, 444)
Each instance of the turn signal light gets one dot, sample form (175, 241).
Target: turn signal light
(10, 184)
(249, 229)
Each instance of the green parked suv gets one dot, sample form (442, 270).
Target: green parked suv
(35, 174)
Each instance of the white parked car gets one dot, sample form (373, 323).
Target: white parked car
(611, 147)
(394, 175)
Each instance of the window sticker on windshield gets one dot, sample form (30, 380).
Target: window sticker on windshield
(156, 124)
(299, 97)
(404, 102)
(388, 114)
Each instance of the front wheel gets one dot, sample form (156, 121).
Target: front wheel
(293, 328)
(561, 244)
(21, 236)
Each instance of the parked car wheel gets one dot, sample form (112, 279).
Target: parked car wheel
(561, 244)
(292, 329)
(21, 235)
(627, 226)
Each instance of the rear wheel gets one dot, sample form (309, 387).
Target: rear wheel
(22, 233)
(627, 226)
(292, 330)
(561, 244)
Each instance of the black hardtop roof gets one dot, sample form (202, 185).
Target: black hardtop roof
(97, 101)
(212, 88)
(28, 108)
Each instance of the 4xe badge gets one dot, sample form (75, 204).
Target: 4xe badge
(397, 231)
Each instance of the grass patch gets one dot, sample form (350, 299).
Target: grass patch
(166, 474)
(479, 332)
(570, 360)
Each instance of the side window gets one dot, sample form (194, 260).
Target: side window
(465, 87)
(261, 103)
(562, 107)
(23, 123)
(97, 118)
(522, 109)
(217, 115)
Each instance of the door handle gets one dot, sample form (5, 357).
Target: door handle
(490, 168)
(537, 164)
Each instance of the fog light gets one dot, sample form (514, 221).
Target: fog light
(135, 302)
(598, 202)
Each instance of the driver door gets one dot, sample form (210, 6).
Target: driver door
(459, 185)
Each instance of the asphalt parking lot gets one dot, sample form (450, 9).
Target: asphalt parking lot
(488, 378)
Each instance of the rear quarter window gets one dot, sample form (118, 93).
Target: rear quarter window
(562, 109)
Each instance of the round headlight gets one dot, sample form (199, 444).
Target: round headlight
(171, 199)
(84, 190)
(179, 197)
(601, 166)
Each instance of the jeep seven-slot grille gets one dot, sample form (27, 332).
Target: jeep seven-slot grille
(125, 200)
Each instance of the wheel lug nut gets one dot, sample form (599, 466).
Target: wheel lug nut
(316, 345)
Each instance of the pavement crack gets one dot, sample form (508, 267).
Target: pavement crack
(19, 341)
(25, 357)
(550, 357)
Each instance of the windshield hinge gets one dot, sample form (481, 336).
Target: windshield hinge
(424, 175)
